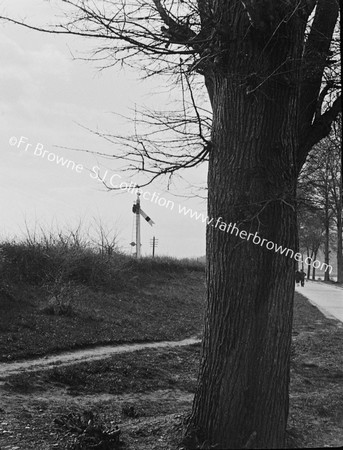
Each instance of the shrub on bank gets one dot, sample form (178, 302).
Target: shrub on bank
(64, 259)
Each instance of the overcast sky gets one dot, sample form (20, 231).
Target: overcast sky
(48, 99)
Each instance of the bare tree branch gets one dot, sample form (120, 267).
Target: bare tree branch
(329, 85)
(159, 31)
(318, 130)
(315, 57)
(177, 32)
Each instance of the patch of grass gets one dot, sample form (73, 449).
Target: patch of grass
(168, 308)
(72, 257)
(165, 264)
(316, 409)
(141, 371)
(158, 426)
(44, 261)
(90, 432)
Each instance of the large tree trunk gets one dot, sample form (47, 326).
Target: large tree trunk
(242, 393)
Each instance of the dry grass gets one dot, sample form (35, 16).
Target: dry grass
(63, 291)
(167, 306)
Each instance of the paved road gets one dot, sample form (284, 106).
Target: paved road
(327, 298)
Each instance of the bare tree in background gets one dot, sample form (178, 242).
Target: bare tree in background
(311, 236)
(269, 69)
(333, 145)
(320, 197)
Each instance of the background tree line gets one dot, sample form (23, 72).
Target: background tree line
(320, 202)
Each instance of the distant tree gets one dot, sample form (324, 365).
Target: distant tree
(315, 207)
(269, 68)
(311, 236)
(334, 145)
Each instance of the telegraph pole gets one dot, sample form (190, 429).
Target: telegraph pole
(153, 244)
(153, 247)
(138, 226)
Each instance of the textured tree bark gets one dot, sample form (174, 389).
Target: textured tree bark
(262, 106)
(242, 396)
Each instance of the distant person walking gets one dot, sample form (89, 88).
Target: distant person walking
(298, 277)
(303, 276)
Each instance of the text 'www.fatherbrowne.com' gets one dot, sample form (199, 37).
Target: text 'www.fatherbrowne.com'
(255, 238)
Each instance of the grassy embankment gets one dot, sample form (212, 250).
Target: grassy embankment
(61, 293)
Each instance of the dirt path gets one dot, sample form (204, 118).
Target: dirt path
(85, 355)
